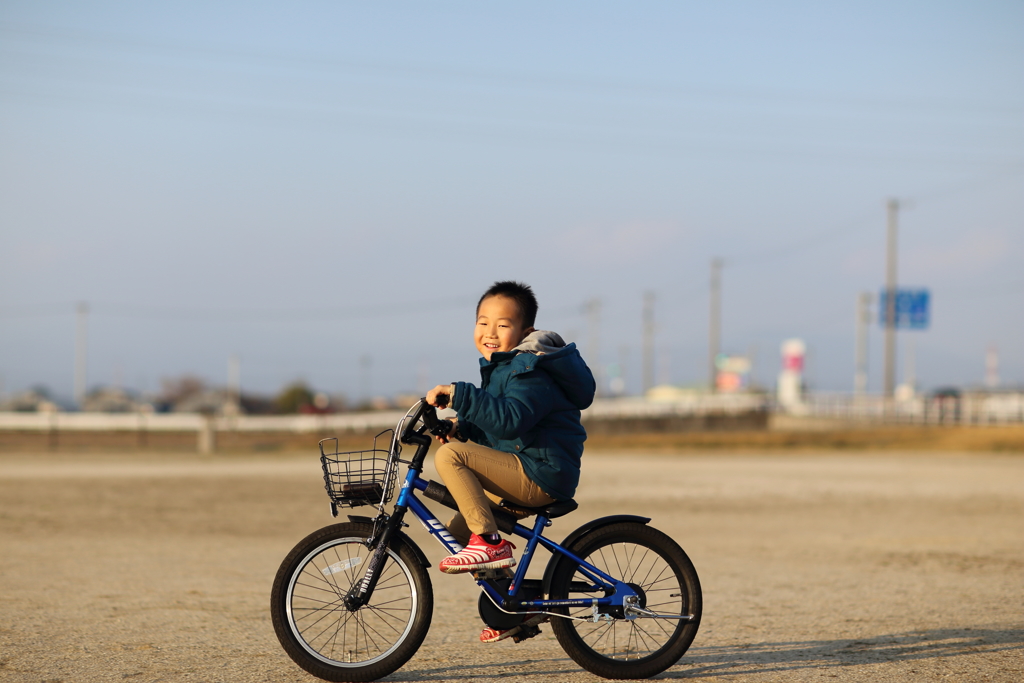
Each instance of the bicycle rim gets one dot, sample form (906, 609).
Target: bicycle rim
(326, 629)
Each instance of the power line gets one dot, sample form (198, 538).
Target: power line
(978, 182)
(796, 247)
(37, 310)
(846, 230)
(233, 315)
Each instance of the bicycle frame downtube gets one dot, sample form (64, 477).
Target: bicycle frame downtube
(433, 526)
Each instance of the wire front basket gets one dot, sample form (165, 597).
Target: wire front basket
(359, 478)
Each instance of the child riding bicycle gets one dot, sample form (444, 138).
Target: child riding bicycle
(518, 436)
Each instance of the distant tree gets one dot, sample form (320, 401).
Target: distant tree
(177, 388)
(294, 397)
(254, 404)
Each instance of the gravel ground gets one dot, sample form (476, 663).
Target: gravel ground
(815, 567)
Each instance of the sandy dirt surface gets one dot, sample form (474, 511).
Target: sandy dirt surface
(815, 567)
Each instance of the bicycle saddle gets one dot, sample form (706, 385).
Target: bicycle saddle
(556, 509)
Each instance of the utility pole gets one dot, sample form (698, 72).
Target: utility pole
(593, 309)
(365, 363)
(234, 381)
(81, 337)
(893, 207)
(623, 387)
(910, 373)
(715, 323)
(648, 341)
(422, 377)
(665, 365)
(863, 323)
(992, 367)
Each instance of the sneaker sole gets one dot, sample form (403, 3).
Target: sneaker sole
(463, 568)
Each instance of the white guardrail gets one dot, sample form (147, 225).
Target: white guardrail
(345, 422)
(968, 409)
(192, 422)
(698, 404)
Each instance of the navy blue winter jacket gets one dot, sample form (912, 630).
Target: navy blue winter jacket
(530, 405)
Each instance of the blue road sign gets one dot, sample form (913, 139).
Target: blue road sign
(912, 308)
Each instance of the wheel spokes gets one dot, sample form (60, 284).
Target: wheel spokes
(645, 568)
(328, 629)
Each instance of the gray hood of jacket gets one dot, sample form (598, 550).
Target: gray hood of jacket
(540, 342)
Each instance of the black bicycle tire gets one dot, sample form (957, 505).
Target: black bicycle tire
(682, 637)
(406, 646)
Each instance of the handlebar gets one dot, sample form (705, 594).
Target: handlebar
(428, 414)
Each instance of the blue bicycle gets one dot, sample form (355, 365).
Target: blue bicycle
(353, 601)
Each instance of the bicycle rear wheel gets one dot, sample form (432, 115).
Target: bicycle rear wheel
(660, 572)
(326, 639)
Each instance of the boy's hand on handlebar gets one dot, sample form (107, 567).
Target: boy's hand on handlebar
(454, 434)
(441, 390)
(447, 430)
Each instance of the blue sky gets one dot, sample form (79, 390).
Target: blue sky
(308, 184)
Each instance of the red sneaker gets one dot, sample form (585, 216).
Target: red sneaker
(493, 635)
(479, 554)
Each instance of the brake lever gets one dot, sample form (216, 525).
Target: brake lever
(442, 429)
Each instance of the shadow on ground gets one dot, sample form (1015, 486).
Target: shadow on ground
(770, 657)
(902, 647)
(534, 667)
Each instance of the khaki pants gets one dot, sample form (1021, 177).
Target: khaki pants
(478, 478)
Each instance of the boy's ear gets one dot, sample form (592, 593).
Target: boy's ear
(527, 332)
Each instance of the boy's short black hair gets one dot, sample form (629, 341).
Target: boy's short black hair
(519, 293)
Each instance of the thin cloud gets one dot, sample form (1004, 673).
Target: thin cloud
(618, 244)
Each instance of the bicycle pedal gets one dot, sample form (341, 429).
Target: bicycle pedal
(491, 574)
(526, 632)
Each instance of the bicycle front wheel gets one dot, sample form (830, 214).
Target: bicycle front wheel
(326, 639)
(662, 575)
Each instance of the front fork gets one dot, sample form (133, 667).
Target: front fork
(362, 590)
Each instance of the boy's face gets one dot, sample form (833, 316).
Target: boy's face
(499, 326)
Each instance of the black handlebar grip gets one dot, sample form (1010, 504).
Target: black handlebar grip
(429, 416)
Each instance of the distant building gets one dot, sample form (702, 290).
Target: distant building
(31, 401)
(113, 400)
